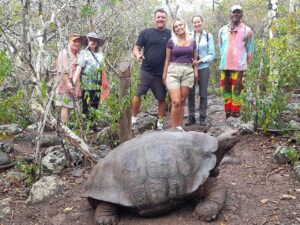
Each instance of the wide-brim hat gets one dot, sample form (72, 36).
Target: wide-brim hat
(92, 37)
(236, 7)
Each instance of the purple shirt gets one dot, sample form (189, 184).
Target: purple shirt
(181, 54)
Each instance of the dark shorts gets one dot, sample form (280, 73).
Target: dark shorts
(149, 81)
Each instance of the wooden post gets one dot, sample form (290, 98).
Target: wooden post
(125, 130)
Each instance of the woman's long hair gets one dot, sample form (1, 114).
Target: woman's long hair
(186, 29)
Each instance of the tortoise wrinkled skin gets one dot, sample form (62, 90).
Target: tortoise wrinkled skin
(152, 174)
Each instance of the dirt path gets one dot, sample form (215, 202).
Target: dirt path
(255, 184)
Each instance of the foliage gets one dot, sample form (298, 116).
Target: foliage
(266, 96)
(5, 66)
(297, 138)
(13, 109)
(30, 170)
(289, 152)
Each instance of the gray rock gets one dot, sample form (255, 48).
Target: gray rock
(15, 177)
(230, 160)
(246, 128)
(105, 136)
(55, 161)
(6, 148)
(50, 140)
(297, 170)
(294, 125)
(215, 108)
(233, 122)
(27, 136)
(77, 172)
(102, 151)
(4, 207)
(4, 158)
(293, 107)
(10, 129)
(281, 157)
(218, 130)
(45, 188)
(145, 122)
(32, 127)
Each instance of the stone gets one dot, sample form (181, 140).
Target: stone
(15, 177)
(55, 161)
(4, 158)
(50, 140)
(102, 151)
(4, 207)
(215, 108)
(233, 122)
(145, 121)
(44, 188)
(105, 136)
(6, 148)
(246, 128)
(10, 129)
(297, 170)
(27, 136)
(32, 127)
(218, 130)
(229, 160)
(294, 125)
(281, 157)
(77, 172)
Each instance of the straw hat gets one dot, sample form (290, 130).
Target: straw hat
(73, 37)
(92, 37)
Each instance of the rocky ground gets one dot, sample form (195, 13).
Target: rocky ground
(261, 191)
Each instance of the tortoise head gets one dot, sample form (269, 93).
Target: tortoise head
(227, 141)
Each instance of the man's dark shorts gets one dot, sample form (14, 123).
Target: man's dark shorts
(155, 83)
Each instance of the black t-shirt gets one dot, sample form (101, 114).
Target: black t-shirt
(154, 43)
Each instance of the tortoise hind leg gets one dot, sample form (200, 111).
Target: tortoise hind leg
(214, 197)
(106, 214)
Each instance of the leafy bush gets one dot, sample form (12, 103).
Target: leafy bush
(30, 170)
(266, 96)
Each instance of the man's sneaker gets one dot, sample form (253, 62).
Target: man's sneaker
(160, 124)
(202, 121)
(133, 120)
(180, 129)
(191, 121)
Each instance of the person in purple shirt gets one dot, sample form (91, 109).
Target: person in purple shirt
(179, 75)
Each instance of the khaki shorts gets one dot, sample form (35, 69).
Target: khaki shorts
(180, 75)
(64, 100)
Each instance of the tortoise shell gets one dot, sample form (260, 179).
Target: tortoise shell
(153, 170)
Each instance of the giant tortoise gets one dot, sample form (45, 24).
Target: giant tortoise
(154, 173)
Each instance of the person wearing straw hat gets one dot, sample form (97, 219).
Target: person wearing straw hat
(66, 91)
(89, 70)
(236, 45)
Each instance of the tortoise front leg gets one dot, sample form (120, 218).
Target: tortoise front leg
(106, 214)
(214, 196)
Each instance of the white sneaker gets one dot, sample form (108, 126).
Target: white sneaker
(179, 128)
(133, 120)
(160, 124)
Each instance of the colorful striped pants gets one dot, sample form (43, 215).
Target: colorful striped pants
(232, 87)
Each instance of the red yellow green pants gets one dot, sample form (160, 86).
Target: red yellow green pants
(232, 87)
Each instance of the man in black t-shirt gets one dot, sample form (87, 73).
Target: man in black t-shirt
(153, 41)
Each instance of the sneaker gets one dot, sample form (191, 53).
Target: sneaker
(202, 121)
(133, 120)
(191, 121)
(160, 124)
(180, 129)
